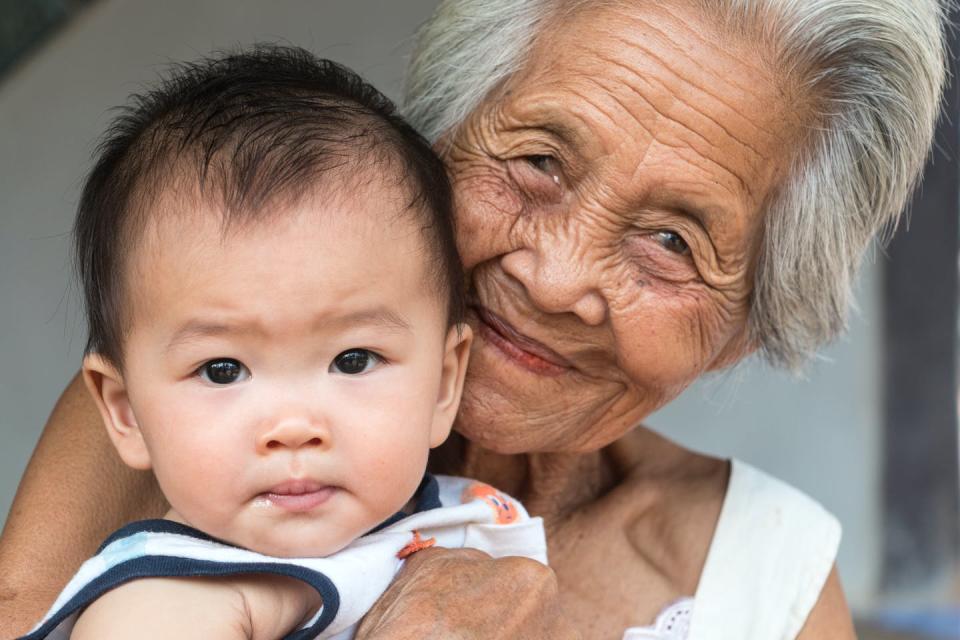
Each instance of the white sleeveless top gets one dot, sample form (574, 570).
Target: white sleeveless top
(768, 561)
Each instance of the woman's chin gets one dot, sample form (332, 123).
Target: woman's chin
(508, 408)
(526, 422)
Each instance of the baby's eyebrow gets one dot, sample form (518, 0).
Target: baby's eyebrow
(380, 317)
(201, 329)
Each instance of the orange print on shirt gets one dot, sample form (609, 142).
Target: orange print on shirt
(417, 544)
(503, 508)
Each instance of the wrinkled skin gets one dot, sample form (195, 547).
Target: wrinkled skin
(610, 207)
(610, 203)
(429, 604)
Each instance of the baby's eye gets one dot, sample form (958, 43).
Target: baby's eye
(672, 241)
(354, 361)
(223, 371)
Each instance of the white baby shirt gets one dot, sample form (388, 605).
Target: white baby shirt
(456, 512)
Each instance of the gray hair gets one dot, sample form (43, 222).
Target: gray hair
(875, 70)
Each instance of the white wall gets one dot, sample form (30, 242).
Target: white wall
(821, 435)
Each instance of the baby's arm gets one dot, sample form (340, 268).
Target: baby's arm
(248, 607)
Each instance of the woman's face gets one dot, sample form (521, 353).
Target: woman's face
(610, 207)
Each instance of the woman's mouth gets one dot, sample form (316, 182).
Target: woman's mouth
(524, 351)
(298, 496)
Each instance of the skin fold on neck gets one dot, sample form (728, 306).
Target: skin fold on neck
(550, 485)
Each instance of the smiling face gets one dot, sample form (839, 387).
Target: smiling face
(610, 205)
(285, 380)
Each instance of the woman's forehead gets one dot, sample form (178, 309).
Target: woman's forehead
(663, 102)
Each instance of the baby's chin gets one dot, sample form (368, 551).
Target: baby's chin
(266, 547)
(280, 550)
(174, 516)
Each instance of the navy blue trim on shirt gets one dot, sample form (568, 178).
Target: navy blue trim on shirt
(428, 494)
(159, 525)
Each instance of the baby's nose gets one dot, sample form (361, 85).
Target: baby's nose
(294, 432)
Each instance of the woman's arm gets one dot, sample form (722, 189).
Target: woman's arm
(74, 492)
(830, 618)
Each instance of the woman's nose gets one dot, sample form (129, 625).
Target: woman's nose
(294, 431)
(558, 281)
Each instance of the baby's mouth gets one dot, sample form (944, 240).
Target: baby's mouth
(299, 495)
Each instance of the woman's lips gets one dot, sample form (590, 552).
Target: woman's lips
(298, 496)
(526, 352)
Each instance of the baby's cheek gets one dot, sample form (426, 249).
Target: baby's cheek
(400, 468)
(199, 473)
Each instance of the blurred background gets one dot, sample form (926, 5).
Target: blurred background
(871, 432)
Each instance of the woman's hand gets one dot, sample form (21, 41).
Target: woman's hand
(465, 594)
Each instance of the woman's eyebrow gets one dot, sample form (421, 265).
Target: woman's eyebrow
(706, 219)
(550, 122)
(709, 211)
(564, 133)
(567, 136)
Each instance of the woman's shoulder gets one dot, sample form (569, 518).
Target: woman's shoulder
(754, 550)
(714, 514)
(777, 522)
(676, 480)
(771, 554)
(753, 493)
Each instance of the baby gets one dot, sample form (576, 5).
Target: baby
(274, 302)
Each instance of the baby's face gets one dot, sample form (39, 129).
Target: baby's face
(287, 380)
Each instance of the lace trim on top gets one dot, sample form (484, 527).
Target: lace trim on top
(673, 623)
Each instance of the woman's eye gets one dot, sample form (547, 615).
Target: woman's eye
(223, 371)
(354, 361)
(672, 241)
(546, 164)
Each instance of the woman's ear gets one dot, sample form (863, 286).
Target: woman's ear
(106, 386)
(456, 353)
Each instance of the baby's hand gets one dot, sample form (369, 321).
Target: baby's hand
(248, 607)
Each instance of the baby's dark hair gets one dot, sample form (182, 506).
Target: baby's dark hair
(246, 130)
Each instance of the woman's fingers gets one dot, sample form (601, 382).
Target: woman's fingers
(466, 594)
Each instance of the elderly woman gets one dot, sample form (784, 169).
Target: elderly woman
(646, 191)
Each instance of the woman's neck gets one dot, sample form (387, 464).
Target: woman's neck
(550, 485)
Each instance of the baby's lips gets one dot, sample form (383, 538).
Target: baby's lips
(298, 497)
(296, 486)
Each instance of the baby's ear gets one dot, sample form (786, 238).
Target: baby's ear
(456, 353)
(106, 386)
